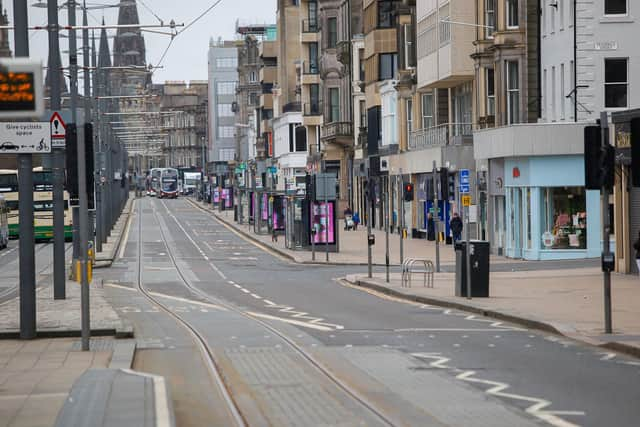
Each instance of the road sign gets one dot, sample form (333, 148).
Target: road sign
(58, 130)
(464, 176)
(466, 200)
(464, 189)
(25, 138)
(21, 89)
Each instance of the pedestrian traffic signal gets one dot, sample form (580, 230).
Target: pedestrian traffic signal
(408, 192)
(71, 155)
(599, 160)
(444, 184)
(635, 152)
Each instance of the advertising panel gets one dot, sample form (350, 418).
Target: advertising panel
(322, 219)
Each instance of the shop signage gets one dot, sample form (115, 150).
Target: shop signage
(548, 239)
(516, 172)
(606, 45)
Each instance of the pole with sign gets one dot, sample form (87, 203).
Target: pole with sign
(466, 203)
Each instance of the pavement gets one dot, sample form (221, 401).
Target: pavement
(568, 302)
(110, 248)
(50, 381)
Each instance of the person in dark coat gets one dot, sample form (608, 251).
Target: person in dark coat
(431, 227)
(456, 227)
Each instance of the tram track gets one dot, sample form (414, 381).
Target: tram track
(206, 351)
(4, 296)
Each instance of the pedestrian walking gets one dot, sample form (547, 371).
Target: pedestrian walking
(348, 219)
(636, 246)
(456, 227)
(431, 227)
(356, 220)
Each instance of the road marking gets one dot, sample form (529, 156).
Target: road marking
(189, 301)
(126, 233)
(246, 291)
(291, 321)
(8, 252)
(161, 400)
(256, 296)
(444, 330)
(607, 356)
(217, 270)
(304, 315)
(497, 389)
(269, 302)
(126, 288)
(237, 286)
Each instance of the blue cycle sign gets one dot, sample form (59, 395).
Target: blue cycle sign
(464, 181)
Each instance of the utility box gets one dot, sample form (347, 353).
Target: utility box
(479, 268)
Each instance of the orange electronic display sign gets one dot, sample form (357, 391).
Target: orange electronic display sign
(17, 91)
(21, 89)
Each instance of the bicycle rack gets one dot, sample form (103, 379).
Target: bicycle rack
(408, 269)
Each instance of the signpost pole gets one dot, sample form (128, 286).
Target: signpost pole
(386, 228)
(468, 252)
(25, 194)
(606, 252)
(370, 198)
(401, 221)
(436, 217)
(59, 279)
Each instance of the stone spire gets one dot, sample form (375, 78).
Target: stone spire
(5, 50)
(128, 47)
(104, 61)
(63, 81)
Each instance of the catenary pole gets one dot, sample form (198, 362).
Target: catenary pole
(55, 77)
(25, 203)
(436, 217)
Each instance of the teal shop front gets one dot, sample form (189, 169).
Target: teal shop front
(549, 214)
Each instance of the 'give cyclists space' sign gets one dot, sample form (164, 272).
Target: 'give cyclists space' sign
(25, 138)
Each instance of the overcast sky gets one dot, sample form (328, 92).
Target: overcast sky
(187, 57)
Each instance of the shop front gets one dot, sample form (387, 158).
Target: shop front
(548, 213)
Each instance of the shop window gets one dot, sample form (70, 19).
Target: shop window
(615, 82)
(564, 218)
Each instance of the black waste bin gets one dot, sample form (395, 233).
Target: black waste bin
(479, 268)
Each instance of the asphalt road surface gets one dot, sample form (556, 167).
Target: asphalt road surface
(288, 344)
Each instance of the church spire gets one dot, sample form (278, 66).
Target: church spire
(128, 47)
(5, 50)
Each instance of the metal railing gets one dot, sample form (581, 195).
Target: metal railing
(336, 129)
(292, 107)
(412, 266)
(438, 136)
(310, 26)
(310, 67)
(313, 108)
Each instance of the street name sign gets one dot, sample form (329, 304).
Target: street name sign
(25, 138)
(21, 89)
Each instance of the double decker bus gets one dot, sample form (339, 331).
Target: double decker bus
(154, 182)
(42, 204)
(168, 183)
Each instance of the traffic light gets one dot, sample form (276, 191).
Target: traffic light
(451, 185)
(408, 192)
(88, 150)
(444, 184)
(71, 155)
(599, 160)
(635, 152)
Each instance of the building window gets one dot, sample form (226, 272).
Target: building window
(512, 13)
(225, 110)
(513, 92)
(615, 82)
(553, 94)
(490, 17)
(545, 100)
(334, 105)
(386, 14)
(313, 16)
(561, 7)
(409, 116)
(615, 7)
(388, 66)
(572, 86)
(314, 98)
(363, 114)
(226, 88)
(226, 131)
(253, 77)
(227, 154)
(361, 63)
(427, 110)
(313, 58)
(389, 114)
(445, 30)
(332, 35)
(562, 91)
(229, 62)
(564, 218)
(491, 92)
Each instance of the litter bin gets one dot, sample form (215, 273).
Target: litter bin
(479, 268)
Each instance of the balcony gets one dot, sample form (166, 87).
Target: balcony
(310, 26)
(339, 133)
(313, 108)
(439, 136)
(292, 107)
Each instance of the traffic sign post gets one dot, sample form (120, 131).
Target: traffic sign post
(58, 130)
(466, 203)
